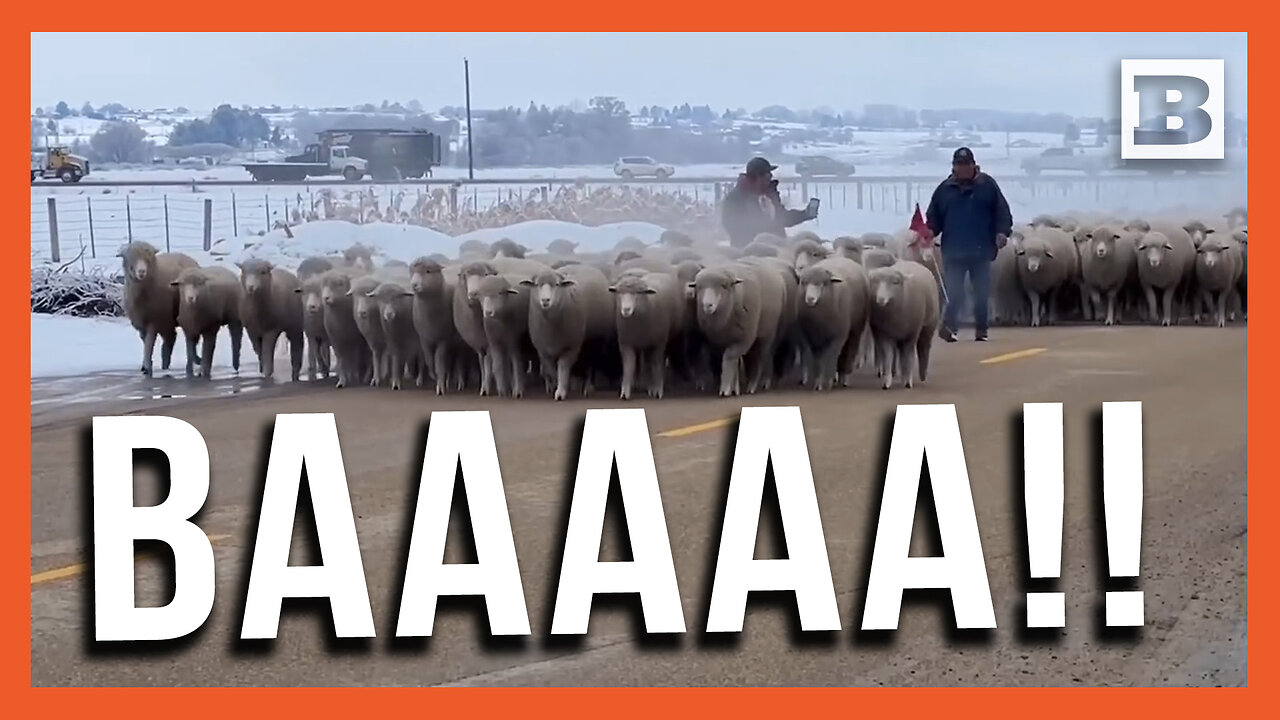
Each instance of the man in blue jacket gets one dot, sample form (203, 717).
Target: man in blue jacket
(971, 215)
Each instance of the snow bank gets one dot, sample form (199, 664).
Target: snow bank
(62, 345)
(537, 234)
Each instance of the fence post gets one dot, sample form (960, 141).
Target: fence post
(166, 223)
(93, 247)
(208, 224)
(235, 221)
(128, 217)
(859, 189)
(453, 199)
(54, 251)
(266, 205)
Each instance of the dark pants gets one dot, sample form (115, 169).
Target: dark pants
(954, 271)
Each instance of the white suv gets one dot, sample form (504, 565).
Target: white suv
(637, 166)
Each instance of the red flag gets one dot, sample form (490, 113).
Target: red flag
(918, 225)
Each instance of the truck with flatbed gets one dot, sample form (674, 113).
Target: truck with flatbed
(384, 155)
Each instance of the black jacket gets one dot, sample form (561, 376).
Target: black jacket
(746, 212)
(968, 216)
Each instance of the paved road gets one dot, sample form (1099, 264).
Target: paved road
(1191, 381)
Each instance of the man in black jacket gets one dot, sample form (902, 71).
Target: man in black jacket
(754, 206)
(972, 215)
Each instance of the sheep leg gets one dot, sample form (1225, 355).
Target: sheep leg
(1052, 302)
(1222, 309)
(1087, 299)
(563, 365)
(268, 359)
(827, 367)
(729, 372)
(375, 378)
(313, 356)
(207, 343)
(236, 331)
(1168, 307)
(519, 368)
(885, 361)
(440, 361)
(498, 368)
(1111, 308)
(167, 341)
(628, 371)
(191, 339)
(397, 368)
(1153, 308)
(907, 354)
(148, 350)
(326, 362)
(1035, 308)
(924, 346)
(657, 362)
(345, 366)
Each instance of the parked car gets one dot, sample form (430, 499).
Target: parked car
(815, 165)
(639, 166)
(1066, 158)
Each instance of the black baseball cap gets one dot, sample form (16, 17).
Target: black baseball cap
(962, 156)
(760, 166)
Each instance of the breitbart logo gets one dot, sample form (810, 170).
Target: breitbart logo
(1172, 110)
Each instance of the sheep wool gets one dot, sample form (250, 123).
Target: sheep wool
(905, 311)
(270, 306)
(209, 300)
(150, 300)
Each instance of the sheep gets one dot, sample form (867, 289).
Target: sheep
(1046, 262)
(473, 249)
(358, 256)
(562, 247)
(208, 300)
(1241, 236)
(569, 313)
(1218, 269)
(313, 267)
(680, 255)
(875, 239)
(831, 317)
(369, 320)
(807, 252)
(468, 319)
(775, 241)
(738, 308)
(313, 330)
(675, 239)
(847, 246)
(1108, 265)
(626, 262)
(649, 315)
(631, 244)
(691, 355)
(788, 345)
(433, 293)
(905, 311)
(760, 249)
(150, 301)
(354, 359)
(269, 307)
(504, 305)
(1162, 265)
(874, 258)
(507, 247)
(398, 267)
(395, 313)
(1008, 300)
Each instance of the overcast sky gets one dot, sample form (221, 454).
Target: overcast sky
(1069, 72)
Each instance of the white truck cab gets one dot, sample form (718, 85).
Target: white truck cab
(343, 162)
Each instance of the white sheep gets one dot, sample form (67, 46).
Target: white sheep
(403, 348)
(313, 330)
(150, 301)
(270, 306)
(354, 359)
(738, 306)
(1109, 263)
(569, 311)
(650, 309)
(905, 311)
(208, 300)
(433, 289)
(1219, 265)
(1047, 261)
(1163, 262)
(468, 319)
(504, 309)
(369, 320)
(831, 317)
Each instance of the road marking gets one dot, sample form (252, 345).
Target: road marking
(691, 429)
(74, 570)
(1015, 355)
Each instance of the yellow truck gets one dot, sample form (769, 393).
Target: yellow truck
(56, 162)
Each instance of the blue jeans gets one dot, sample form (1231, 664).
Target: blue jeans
(978, 270)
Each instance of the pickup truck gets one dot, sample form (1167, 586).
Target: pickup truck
(1066, 158)
(315, 160)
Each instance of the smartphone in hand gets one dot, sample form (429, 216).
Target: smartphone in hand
(812, 208)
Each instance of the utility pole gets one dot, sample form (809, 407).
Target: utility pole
(471, 163)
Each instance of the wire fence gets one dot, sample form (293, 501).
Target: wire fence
(68, 221)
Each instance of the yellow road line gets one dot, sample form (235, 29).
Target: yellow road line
(1015, 355)
(691, 429)
(74, 570)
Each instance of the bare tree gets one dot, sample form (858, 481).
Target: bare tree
(120, 142)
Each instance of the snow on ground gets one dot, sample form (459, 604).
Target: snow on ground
(63, 345)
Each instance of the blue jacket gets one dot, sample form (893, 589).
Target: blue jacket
(968, 216)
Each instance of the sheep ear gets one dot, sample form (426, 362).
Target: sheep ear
(650, 291)
(527, 283)
(512, 291)
(837, 280)
(692, 286)
(408, 293)
(348, 293)
(737, 281)
(613, 288)
(567, 282)
(1048, 254)
(175, 284)
(1088, 236)
(239, 264)
(371, 293)
(297, 290)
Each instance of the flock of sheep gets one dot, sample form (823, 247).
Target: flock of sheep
(780, 311)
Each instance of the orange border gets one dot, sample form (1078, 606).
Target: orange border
(594, 15)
